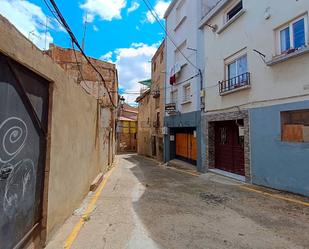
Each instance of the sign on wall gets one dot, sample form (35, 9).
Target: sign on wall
(170, 107)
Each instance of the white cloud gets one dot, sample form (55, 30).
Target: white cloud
(105, 9)
(29, 19)
(134, 65)
(134, 6)
(107, 57)
(95, 28)
(160, 8)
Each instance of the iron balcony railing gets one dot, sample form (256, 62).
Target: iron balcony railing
(234, 83)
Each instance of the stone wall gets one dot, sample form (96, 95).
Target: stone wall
(210, 120)
(157, 100)
(144, 125)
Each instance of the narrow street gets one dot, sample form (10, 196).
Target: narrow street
(146, 206)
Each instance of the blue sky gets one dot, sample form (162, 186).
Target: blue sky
(120, 31)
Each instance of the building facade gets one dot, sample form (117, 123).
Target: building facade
(76, 66)
(183, 82)
(257, 91)
(144, 143)
(127, 128)
(151, 109)
(157, 102)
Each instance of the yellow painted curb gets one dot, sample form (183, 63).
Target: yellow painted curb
(69, 241)
(276, 196)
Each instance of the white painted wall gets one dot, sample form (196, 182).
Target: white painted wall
(252, 31)
(187, 32)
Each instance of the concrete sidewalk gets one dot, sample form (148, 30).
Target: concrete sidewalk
(144, 206)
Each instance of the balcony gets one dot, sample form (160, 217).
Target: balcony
(239, 82)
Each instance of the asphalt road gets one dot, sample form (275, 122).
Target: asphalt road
(147, 206)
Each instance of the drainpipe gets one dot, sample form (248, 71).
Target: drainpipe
(201, 86)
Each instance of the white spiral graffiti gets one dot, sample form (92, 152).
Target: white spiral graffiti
(13, 134)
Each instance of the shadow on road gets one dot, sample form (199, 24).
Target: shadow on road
(182, 211)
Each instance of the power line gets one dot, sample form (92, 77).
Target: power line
(155, 15)
(75, 41)
(157, 18)
(53, 12)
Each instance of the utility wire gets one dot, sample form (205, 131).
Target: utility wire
(53, 13)
(157, 18)
(155, 15)
(74, 40)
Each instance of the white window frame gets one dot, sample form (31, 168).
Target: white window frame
(174, 92)
(228, 63)
(290, 26)
(181, 49)
(186, 96)
(180, 10)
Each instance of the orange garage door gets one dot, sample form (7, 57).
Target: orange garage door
(186, 146)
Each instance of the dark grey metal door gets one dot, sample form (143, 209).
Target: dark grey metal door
(23, 125)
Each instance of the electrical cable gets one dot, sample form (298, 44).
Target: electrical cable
(75, 41)
(157, 18)
(53, 13)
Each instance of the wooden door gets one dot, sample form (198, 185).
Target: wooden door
(192, 147)
(229, 148)
(186, 146)
(182, 145)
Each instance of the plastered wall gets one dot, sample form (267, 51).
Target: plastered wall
(250, 31)
(73, 151)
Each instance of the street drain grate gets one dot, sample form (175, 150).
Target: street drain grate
(212, 199)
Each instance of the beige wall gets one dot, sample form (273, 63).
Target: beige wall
(144, 126)
(149, 132)
(252, 31)
(157, 105)
(74, 149)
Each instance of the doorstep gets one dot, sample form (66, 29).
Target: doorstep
(228, 174)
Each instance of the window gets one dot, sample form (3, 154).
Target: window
(157, 103)
(295, 126)
(186, 93)
(237, 70)
(237, 75)
(234, 11)
(154, 66)
(161, 57)
(180, 12)
(174, 96)
(158, 118)
(180, 51)
(293, 36)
